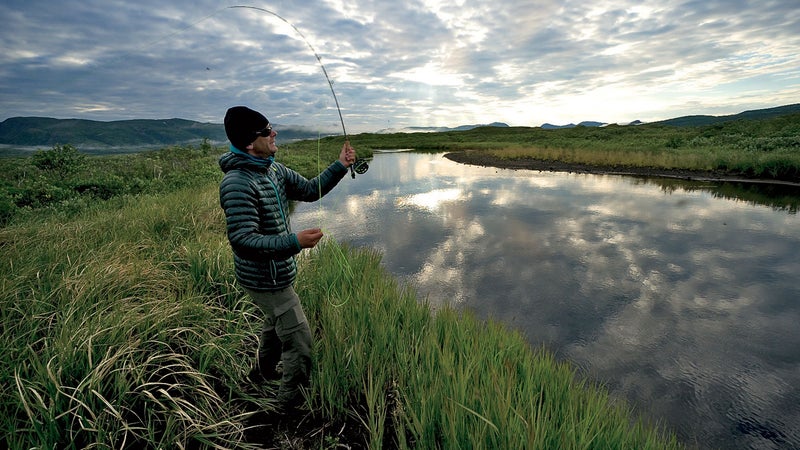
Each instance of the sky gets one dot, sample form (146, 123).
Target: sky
(393, 65)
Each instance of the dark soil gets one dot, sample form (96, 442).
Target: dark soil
(482, 159)
(304, 431)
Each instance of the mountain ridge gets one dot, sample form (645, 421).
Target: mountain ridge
(36, 131)
(699, 120)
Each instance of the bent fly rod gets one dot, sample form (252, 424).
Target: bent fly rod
(360, 166)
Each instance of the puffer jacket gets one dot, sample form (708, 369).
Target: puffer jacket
(254, 194)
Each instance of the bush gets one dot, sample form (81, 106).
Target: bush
(104, 187)
(61, 158)
(674, 142)
(38, 193)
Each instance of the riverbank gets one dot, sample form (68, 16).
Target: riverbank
(486, 159)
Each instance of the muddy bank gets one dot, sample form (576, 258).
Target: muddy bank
(481, 159)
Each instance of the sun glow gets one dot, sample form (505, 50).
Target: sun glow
(432, 200)
(431, 74)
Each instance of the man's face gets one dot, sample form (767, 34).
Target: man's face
(264, 147)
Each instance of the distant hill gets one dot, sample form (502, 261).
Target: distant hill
(693, 121)
(46, 132)
(696, 121)
(31, 131)
(587, 123)
(440, 129)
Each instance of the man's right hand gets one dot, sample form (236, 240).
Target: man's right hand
(348, 155)
(309, 238)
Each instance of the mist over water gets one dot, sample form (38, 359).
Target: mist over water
(680, 300)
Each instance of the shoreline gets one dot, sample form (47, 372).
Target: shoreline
(481, 159)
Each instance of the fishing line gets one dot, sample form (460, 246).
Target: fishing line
(179, 31)
(319, 180)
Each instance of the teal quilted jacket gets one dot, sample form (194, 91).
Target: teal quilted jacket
(254, 194)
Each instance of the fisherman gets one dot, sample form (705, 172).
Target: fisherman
(254, 193)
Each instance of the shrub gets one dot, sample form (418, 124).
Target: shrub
(61, 158)
(38, 193)
(674, 142)
(104, 187)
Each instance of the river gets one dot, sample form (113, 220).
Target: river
(682, 298)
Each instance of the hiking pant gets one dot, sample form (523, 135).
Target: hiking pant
(285, 336)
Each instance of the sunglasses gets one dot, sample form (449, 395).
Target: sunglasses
(266, 132)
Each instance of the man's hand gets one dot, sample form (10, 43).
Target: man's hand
(347, 155)
(309, 238)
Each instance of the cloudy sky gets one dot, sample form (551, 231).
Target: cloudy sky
(398, 64)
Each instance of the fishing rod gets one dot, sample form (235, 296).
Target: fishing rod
(359, 166)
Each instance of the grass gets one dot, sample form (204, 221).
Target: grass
(111, 337)
(123, 327)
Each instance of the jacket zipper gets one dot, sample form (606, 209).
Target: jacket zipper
(273, 268)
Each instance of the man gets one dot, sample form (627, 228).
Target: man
(254, 194)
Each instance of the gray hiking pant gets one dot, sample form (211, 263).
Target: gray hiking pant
(285, 336)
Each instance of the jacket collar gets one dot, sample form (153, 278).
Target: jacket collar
(261, 162)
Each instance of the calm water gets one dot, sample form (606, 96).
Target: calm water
(679, 297)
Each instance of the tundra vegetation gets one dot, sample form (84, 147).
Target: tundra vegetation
(123, 325)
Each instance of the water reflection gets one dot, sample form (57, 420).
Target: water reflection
(676, 297)
(784, 197)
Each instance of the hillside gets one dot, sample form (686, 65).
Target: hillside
(30, 131)
(45, 131)
(694, 121)
(698, 120)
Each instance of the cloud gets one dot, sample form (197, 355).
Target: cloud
(410, 64)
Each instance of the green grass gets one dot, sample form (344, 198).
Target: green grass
(116, 328)
(123, 327)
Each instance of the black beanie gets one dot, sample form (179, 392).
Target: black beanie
(242, 124)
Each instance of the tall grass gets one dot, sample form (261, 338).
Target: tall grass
(124, 328)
